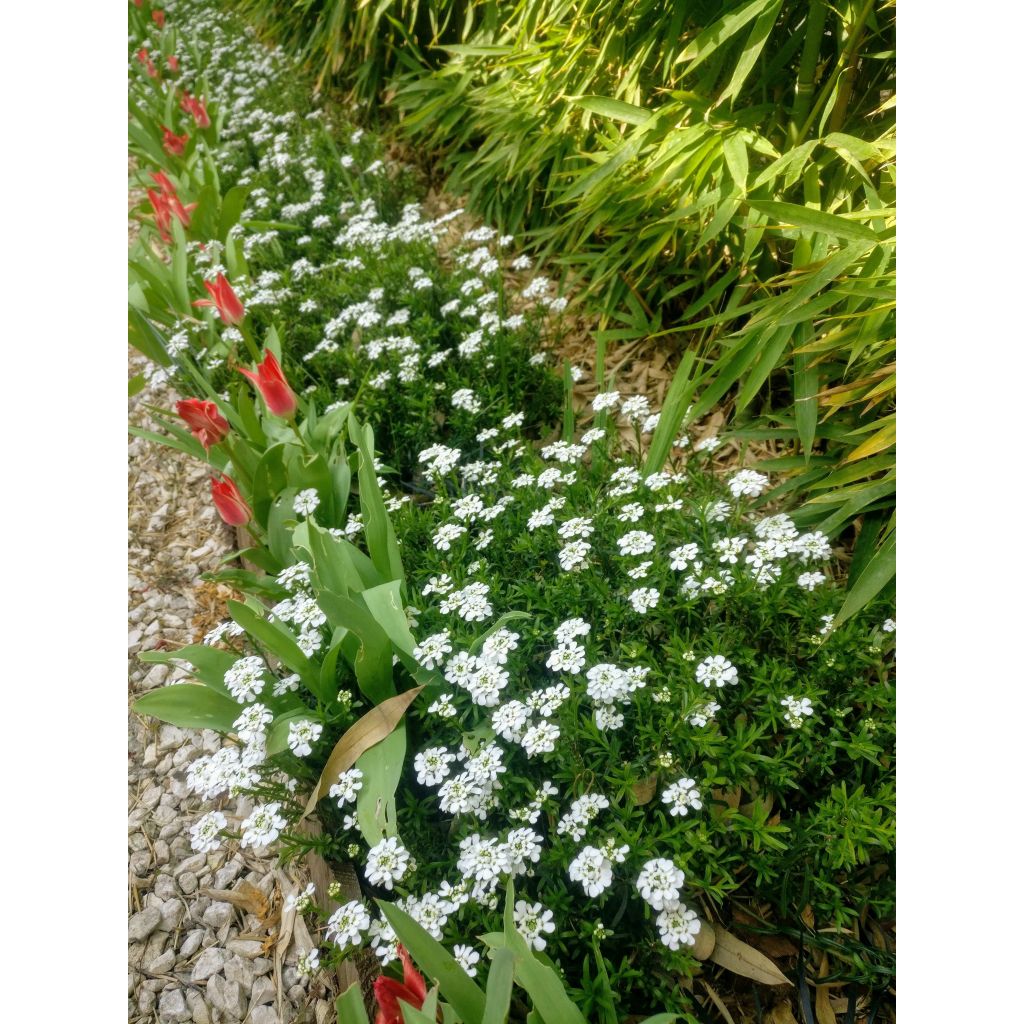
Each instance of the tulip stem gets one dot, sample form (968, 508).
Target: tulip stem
(250, 342)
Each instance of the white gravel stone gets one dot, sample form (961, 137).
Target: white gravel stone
(143, 924)
(210, 962)
(172, 1007)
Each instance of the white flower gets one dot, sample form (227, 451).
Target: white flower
(592, 869)
(301, 902)
(567, 657)
(889, 626)
(302, 735)
(348, 924)
(660, 882)
(443, 707)
(579, 527)
(570, 629)
(263, 826)
(205, 832)
(681, 796)
(523, 845)
(532, 922)
(608, 400)
(306, 502)
(607, 683)
(308, 963)
(678, 926)
(703, 714)
(796, 710)
(573, 555)
(446, 534)
(252, 721)
(431, 651)
(608, 719)
(683, 556)
(509, 720)
(466, 957)
(716, 671)
(631, 512)
(635, 408)
(387, 863)
(810, 580)
(636, 542)
(465, 399)
(348, 785)
(432, 766)
(747, 482)
(244, 679)
(497, 647)
(643, 599)
(826, 624)
(540, 738)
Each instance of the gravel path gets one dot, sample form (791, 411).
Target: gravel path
(192, 955)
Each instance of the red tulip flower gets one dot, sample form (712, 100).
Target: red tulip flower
(231, 311)
(170, 202)
(202, 418)
(230, 503)
(270, 380)
(196, 108)
(145, 60)
(411, 990)
(172, 63)
(159, 17)
(174, 144)
(161, 213)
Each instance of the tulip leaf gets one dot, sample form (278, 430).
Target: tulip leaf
(278, 642)
(349, 1006)
(189, 706)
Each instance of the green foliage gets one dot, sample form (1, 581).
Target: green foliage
(447, 519)
(721, 172)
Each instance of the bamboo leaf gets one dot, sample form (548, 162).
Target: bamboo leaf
(808, 218)
(876, 575)
(740, 958)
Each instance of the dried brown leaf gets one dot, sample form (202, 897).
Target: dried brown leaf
(781, 1013)
(245, 896)
(741, 958)
(822, 1005)
(705, 941)
(644, 790)
(375, 725)
(719, 1005)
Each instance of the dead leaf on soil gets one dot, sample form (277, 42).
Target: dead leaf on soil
(719, 1005)
(741, 958)
(780, 1013)
(245, 896)
(822, 1004)
(643, 791)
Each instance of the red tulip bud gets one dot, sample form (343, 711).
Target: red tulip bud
(172, 63)
(203, 420)
(230, 503)
(159, 17)
(270, 380)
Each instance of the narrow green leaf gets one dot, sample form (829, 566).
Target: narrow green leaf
(808, 218)
(877, 574)
(499, 987)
